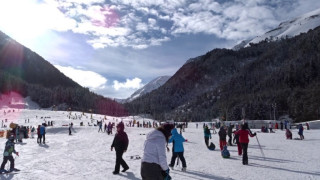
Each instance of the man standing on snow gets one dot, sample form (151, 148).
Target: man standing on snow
(43, 133)
(120, 143)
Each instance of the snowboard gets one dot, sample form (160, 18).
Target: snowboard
(10, 172)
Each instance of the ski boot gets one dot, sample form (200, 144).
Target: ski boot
(184, 169)
(14, 170)
(3, 171)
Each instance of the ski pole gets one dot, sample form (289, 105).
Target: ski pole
(260, 148)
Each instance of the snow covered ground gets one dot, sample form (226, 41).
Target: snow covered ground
(86, 154)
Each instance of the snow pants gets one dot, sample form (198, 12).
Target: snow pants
(206, 140)
(151, 171)
(181, 157)
(239, 149)
(222, 143)
(5, 160)
(245, 153)
(120, 161)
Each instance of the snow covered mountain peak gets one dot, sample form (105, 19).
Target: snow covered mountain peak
(152, 85)
(289, 28)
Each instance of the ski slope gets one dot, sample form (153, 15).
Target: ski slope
(86, 154)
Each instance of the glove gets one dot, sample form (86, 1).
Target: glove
(111, 148)
(17, 153)
(254, 134)
(186, 140)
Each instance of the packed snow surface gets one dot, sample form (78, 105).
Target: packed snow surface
(86, 153)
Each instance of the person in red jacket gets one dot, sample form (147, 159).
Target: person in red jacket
(244, 134)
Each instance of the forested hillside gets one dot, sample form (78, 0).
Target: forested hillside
(266, 80)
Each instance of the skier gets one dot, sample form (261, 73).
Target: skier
(236, 139)
(177, 149)
(70, 126)
(207, 135)
(7, 155)
(100, 126)
(288, 134)
(230, 134)
(120, 143)
(308, 127)
(154, 161)
(222, 137)
(43, 133)
(39, 135)
(301, 132)
(32, 132)
(281, 125)
(244, 140)
(270, 127)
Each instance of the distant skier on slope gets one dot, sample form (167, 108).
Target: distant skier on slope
(154, 161)
(120, 143)
(300, 132)
(7, 155)
(207, 135)
(177, 149)
(43, 133)
(243, 133)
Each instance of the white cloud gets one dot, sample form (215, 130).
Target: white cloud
(112, 23)
(129, 84)
(85, 78)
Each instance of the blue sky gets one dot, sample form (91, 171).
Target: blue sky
(114, 47)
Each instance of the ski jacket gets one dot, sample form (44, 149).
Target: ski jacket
(207, 133)
(244, 135)
(120, 141)
(42, 130)
(300, 130)
(9, 149)
(230, 130)
(177, 140)
(155, 149)
(222, 134)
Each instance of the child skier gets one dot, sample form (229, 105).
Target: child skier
(177, 150)
(7, 155)
(288, 134)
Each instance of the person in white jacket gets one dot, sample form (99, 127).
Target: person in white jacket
(154, 164)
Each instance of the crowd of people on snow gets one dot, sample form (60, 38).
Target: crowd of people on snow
(154, 160)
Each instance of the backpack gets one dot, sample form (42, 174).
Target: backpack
(225, 153)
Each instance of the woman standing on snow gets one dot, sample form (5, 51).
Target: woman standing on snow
(154, 161)
(244, 134)
(120, 143)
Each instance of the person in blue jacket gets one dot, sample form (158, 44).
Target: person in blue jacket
(177, 150)
(301, 131)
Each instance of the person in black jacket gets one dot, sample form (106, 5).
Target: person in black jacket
(120, 143)
(222, 137)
